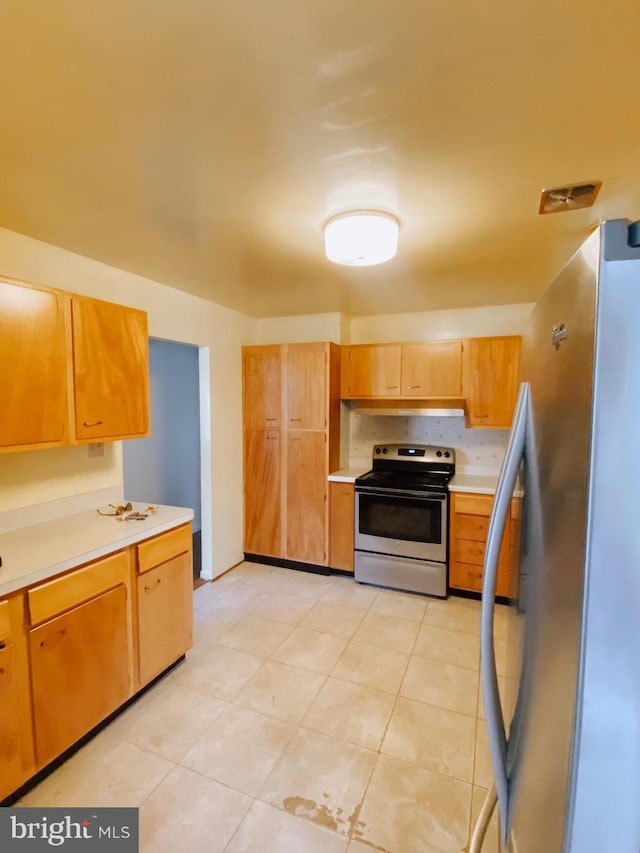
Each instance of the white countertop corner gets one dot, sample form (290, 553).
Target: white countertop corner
(348, 475)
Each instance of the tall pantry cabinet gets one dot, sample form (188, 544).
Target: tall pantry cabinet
(291, 425)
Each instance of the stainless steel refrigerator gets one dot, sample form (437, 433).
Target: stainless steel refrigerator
(564, 727)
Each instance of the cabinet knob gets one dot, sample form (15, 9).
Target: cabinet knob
(92, 424)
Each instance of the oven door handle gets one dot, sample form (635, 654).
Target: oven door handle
(401, 493)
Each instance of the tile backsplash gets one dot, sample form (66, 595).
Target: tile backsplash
(475, 448)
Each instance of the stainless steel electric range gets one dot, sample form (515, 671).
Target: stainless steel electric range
(402, 518)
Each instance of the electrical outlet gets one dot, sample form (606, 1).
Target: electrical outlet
(96, 449)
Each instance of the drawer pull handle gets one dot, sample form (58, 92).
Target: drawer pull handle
(92, 423)
(391, 387)
(2, 644)
(51, 641)
(295, 420)
(153, 586)
(411, 387)
(271, 419)
(272, 438)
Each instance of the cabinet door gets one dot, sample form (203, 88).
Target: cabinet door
(165, 621)
(492, 381)
(33, 375)
(307, 496)
(371, 370)
(10, 757)
(111, 370)
(341, 525)
(261, 386)
(79, 671)
(262, 492)
(432, 369)
(306, 386)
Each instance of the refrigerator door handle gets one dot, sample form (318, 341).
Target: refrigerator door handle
(488, 674)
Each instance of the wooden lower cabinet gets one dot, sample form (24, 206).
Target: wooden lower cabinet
(164, 596)
(262, 492)
(80, 671)
(164, 615)
(341, 525)
(307, 496)
(75, 648)
(10, 754)
(469, 523)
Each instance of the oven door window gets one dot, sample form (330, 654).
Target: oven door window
(401, 518)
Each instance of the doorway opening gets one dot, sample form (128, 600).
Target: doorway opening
(169, 467)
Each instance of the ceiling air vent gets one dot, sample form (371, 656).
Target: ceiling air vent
(569, 198)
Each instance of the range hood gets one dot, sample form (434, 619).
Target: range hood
(453, 408)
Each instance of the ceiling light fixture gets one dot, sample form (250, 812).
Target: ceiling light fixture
(361, 238)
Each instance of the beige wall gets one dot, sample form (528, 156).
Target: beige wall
(441, 325)
(302, 329)
(383, 328)
(34, 477)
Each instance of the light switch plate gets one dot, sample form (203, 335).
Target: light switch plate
(96, 449)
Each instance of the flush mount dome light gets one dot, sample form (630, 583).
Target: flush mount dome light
(361, 239)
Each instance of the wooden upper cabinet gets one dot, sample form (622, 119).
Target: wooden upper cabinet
(492, 380)
(110, 370)
(33, 380)
(432, 369)
(306, 375)
(261, 385)
(371, 370)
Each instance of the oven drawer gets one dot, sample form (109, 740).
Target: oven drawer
(401, 573)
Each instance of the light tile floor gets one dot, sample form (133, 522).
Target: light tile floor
(312, 714)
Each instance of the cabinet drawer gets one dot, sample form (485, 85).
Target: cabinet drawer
(473, 504)
(5, 623)
(469, 551)
(54, 597)
(164, 547)
(471, 527)
(466, 576)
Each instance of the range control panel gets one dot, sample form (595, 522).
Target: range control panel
(426, 453)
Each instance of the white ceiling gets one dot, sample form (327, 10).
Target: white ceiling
(203, 143)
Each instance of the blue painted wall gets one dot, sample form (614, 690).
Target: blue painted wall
(165, 468)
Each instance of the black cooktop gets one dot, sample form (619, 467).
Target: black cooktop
(420, 481)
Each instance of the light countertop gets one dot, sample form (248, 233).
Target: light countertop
(348, 475)
(32, 554)
(478, 484)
